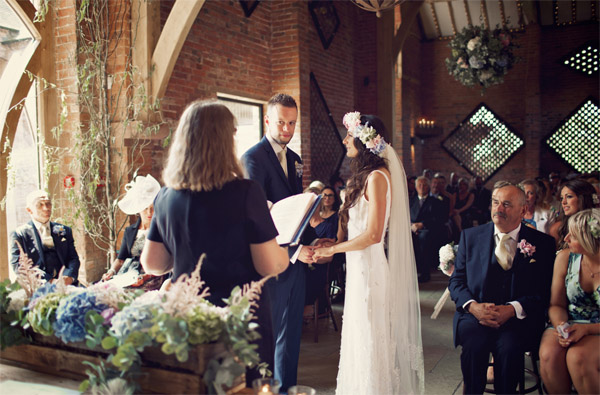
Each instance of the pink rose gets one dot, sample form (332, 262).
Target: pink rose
(526, 248)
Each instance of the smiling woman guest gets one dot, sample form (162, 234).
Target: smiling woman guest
(570, 349)
(575, 195)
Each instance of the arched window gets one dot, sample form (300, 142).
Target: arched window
(19, 165)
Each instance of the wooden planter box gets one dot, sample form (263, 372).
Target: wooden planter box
(160, 373)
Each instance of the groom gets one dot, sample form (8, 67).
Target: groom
(278, 170)
(501, 287)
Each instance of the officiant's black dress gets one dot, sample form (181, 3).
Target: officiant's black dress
(221, 223)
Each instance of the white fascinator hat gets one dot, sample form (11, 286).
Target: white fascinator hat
(140, 194)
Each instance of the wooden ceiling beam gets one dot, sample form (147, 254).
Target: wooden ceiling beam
(452, 20)
(408, 13)
(176, 29)
(469, 21)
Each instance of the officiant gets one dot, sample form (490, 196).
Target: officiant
(207, 207)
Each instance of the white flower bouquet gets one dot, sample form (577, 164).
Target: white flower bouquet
(447, 255)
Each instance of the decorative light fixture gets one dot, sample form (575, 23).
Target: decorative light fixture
(576, 141)
(377, 6)
(584, 59)
(482, 143)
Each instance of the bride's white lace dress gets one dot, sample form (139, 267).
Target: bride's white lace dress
(375, 356)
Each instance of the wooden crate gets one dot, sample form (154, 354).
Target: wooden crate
(160, 373)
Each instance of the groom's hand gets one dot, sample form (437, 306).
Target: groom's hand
(306, 254)
(324, 242)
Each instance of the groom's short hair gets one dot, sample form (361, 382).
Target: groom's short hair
(284, 99)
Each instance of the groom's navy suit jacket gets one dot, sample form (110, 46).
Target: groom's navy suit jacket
(29, 238)
(261, 165)
(528, 283)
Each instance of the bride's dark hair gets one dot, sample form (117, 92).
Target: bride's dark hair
(361, 166)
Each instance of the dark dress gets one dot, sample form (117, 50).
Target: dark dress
(147, 282)
(316, 277)
(222, 224)
(466, 216)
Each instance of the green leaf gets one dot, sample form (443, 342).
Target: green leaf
(85, 384)
(109, 342)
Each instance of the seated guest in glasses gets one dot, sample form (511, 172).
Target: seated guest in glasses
(326, 226)
(48, 244)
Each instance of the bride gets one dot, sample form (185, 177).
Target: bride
(381, 351)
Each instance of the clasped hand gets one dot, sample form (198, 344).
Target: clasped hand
(323, 249)
(489, 314)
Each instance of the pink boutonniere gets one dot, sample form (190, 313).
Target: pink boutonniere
(526, 249)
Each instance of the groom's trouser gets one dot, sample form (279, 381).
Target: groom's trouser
(506, 343)
(287, 304)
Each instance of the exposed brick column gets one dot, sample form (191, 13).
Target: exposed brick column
(291, 68)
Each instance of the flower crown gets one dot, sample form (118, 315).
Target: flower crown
(367, 134)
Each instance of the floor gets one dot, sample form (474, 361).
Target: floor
(319, 361)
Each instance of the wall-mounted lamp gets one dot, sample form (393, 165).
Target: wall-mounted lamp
(427, 128)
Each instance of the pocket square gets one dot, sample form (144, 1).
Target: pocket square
(63, 239)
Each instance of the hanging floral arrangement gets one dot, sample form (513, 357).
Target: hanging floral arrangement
(481, 57)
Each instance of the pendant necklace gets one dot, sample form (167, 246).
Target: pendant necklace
(592, 274)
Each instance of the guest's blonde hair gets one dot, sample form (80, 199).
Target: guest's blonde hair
(584, 227)
(202, 155)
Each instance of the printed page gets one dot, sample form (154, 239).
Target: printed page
(288, 215)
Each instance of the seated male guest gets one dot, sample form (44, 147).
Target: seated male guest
(427, 220)
(501, 287)
(49, 244)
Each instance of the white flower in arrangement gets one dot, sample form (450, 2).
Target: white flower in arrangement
(473, 43)
(18, 300)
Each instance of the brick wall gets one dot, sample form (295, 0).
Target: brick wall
(537, 93)
(278, 46)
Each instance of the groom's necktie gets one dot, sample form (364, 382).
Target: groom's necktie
(502, 254)
(283, 160)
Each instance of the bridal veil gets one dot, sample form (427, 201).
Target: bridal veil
(405, 315)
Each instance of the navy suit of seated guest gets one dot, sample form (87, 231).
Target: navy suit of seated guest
(48, 244)
(208, 208)
(427, 220)
(501, 287)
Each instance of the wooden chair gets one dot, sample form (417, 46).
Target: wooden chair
(328, 309)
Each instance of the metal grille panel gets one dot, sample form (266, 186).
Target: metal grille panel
(326, 148)
(577, 138)
(482, 143)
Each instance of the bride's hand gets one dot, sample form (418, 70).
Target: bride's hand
(322, 252)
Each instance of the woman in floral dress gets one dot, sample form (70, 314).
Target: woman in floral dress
(570, 349)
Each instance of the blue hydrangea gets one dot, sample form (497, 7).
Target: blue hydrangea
(134, 317)
(41, 291)
(70, 315)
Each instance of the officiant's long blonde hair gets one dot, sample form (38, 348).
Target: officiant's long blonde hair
(202, 155)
